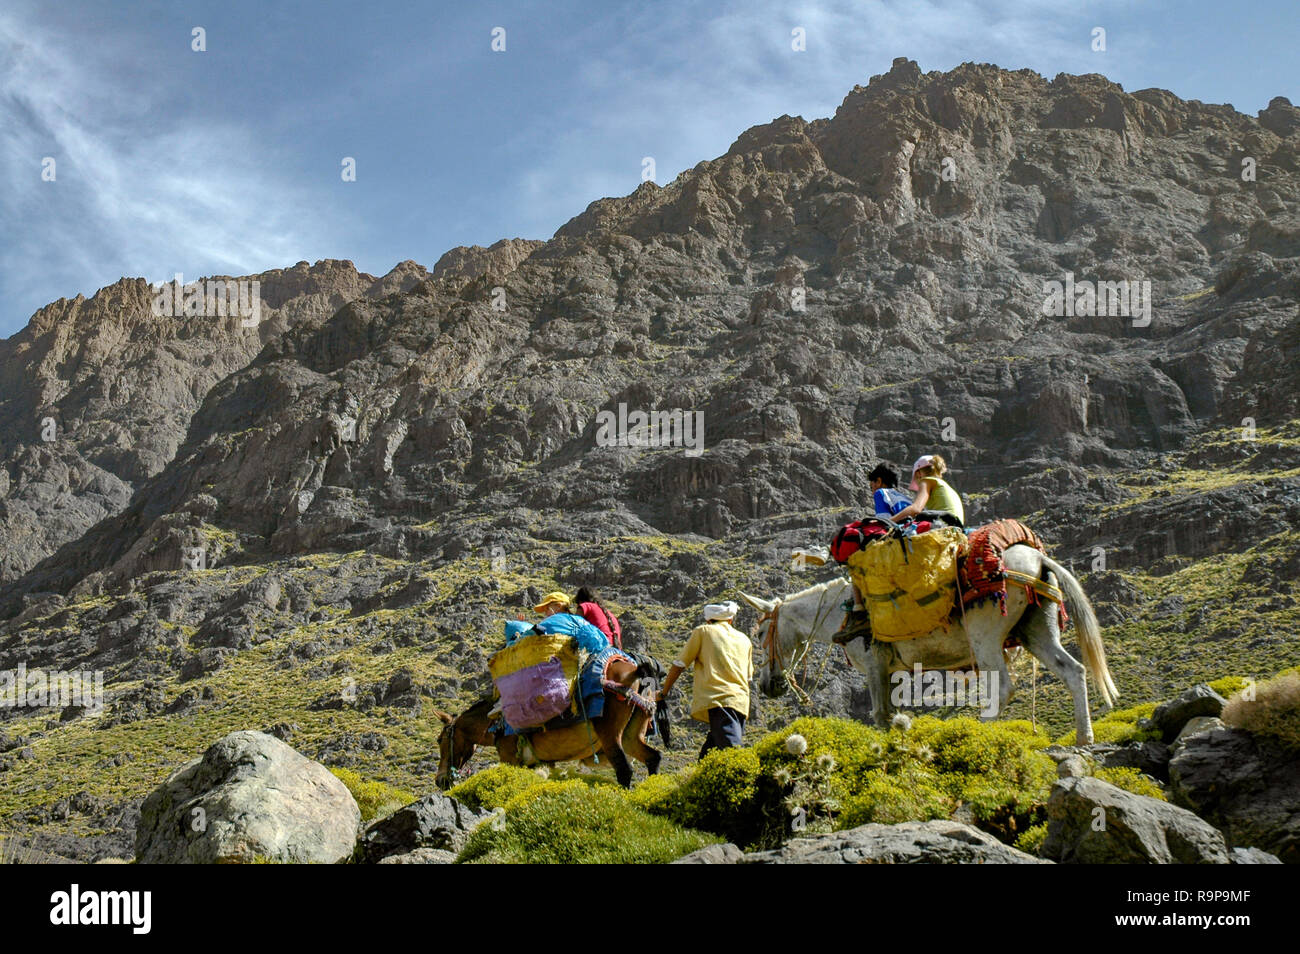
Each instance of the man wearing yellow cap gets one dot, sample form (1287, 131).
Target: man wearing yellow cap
(723, 658)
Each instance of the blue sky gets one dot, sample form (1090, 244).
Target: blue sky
(229, 160)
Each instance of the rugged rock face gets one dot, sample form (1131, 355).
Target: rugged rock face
(1245, 785)
(250, 797)
(96, 394)
(1093, 822)
(826, 293)
(388, 467)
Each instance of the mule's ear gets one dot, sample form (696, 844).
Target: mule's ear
(446, 719)
(764, 606)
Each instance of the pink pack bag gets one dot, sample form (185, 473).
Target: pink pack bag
(534, 695)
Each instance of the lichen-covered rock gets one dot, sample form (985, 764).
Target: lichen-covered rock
(1253, 856)
(249, 798)
(1170, 717)
(434, 821)
(1195, 726)
(726, 854)
(420, 856)
(908, 843)
(1094, 822)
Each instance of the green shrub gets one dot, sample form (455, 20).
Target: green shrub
(845, 774)
(1273, 712)
(1119, 726)
(653, 792)
(966, 746)
(375, 799)
(1131, 780)
(493, 787)
(1230, 685)
(997, 769)
(848, 741)
(574, 823)
(719, 796)
(526, 796)
(911, 794)
(1032, 838)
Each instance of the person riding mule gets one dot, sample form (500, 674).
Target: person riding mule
(588, 605)
(973, 638)
(560, 615)
(886, 499)
(619, 731)
(933, 493)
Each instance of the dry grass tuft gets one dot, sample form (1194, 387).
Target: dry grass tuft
(1272, 709)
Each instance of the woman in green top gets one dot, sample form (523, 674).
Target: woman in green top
(932, 491)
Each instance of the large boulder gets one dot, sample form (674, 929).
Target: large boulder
(908, 843)
(1170, 717)
(434, 821)
(1246, 785)
(249, 798)
(1094, 822)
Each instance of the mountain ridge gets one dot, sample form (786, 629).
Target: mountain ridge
(374, 486)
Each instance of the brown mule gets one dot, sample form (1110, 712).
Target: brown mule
(619, 732)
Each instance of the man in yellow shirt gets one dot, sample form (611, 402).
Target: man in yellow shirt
(723, 658)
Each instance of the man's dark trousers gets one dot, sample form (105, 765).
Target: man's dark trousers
(726, 728)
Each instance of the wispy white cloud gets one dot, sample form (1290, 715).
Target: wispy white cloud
(682, 85)
(160, 170)
(134, 192)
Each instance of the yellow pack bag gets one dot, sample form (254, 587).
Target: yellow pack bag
(537, 648)
(908, 585)
(535, 678)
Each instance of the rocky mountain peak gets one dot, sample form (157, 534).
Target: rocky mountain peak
(825, 293)
(471, 261)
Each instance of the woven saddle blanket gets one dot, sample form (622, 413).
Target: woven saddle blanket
(983, 575)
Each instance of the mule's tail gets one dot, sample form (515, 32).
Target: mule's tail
(1085, 620)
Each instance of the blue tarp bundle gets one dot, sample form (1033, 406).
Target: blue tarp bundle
(516, 629)
(588, 637)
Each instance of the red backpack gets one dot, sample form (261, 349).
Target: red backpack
(852, 537)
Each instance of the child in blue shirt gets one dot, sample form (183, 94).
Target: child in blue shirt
(886, 496)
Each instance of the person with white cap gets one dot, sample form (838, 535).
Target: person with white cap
(723, 658)
(932, 491)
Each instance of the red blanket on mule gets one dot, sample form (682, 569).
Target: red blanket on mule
(982, 574)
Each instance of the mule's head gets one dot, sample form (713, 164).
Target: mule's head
(454, 750)
(771, 677)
